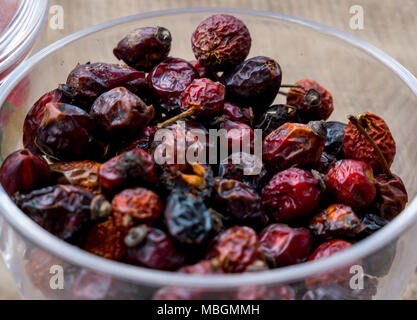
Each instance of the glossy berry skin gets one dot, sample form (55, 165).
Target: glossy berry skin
(239, 201)
(275, 117)
(66, 133)
(157, 251)
(324, 164)
(120, 114)
(144, 48)
(309, 112)
(253, 83)
(235, 113)
(24, 171)
(355, 145)
(284, 246)
(240, 136)
(391, 196)
(334, 138)
(293, 144)
(265, 293)
(106, 240)
(337, 221)
(290, 194)
(188, 219)
(235, 249)
(203, 72)
(205, 96)
(62, 210)
(144, 141)
(220, 42)
(351, 183)
(131, 168)
(245, 167)
(373, 223)
(135, 206)
(168, 80)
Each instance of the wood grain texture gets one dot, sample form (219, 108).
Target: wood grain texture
(389, 25)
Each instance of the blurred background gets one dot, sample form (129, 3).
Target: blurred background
(388, 24)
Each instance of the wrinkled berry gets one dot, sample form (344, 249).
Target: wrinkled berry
(373, 223)
(391, 196)
(221, 42)
(203, 72)
(334, 139)
(240, 136)
(275, 117)
(290, 194)
(235, 113)
(144, 141)
(324, 164)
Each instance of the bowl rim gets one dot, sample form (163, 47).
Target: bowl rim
(28, 229)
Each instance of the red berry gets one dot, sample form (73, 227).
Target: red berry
(290, 194)
(240, 136)
(391, 196)
(352, 183)
(235, 113)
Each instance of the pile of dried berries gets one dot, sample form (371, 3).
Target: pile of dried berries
(89, 176)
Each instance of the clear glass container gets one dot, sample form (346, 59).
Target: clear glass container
(361, 78)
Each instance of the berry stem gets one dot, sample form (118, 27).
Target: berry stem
(185, 114)
(282, 93)
(286, 85)
(357, 122)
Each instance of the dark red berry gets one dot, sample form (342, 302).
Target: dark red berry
(204, 267)
(352, 183)
(284, 246)
(391, 196)
(240, 136)
(276, 116)
(203, 72)
(24, 171)
(144, 141)
(235, 113)
(144, 48)
(290, 194)
(324, 164)
(221, 42)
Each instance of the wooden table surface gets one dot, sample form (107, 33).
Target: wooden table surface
(390, 25)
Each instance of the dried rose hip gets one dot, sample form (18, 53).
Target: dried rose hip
(135, 206)
(334, 139)
(239, 201)
(352, 183)
(373, 223)
(88, 81)
(130, 168)
(236, 249)
(204, 267)
(235, 113)
(144, 141)
(254, 83)
(336, 221)
(203, 72)
(356, 146)
(240, 136)
(24, 171)
(312, 101)
(106, 240)
(294, 144)
(66, 133)
(221, 42)
(290, 194)
(324, 164)
(144, 48)
(156, 251)
(391, 196)
(63, 210)
(82, 174)
(121, 113)
(265, 293)
(188, 219)
(168, 80)
(284, 246)
(244, 167)
(275, 117)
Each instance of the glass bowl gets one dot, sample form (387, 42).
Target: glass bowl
(361, 78)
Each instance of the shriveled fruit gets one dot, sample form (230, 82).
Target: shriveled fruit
(144, 141)
(391, 196)
(275, 116)
(334, 138)
(240, 136)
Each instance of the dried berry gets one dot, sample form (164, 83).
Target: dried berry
(239, 201)
(204, 267)
(203, 72)
(188, 219)
(352, 183)
(294, 144)
(356, 146)
(334, 139)
(66, 133)
(254, 83)
(24, 171)
(240, 136)
(265, 293)
(156, 251)
(221, 42)
(290, 194)
(88, 81)
(312, 101)
(373, 223)
(235, 113)
(135, 206)
(82, 174)
(284, 246)
(121, 114)
(275, 117)
(236, 249)
(106, 240)
(391, 196)
(144, 141)
(144, 48)
(336, 221)
(324, 164)
(168, 80)
(63, 210)
(131, 168)
(244, 167)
